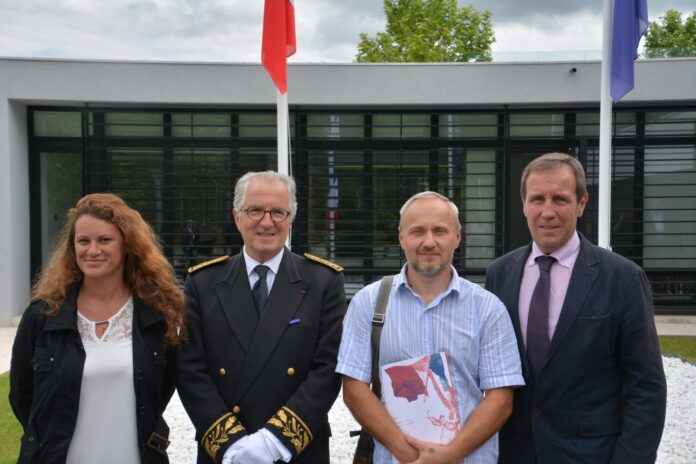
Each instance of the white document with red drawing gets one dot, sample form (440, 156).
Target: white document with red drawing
(419, 396)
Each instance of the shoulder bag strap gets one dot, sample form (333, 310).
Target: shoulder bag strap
(377, 324)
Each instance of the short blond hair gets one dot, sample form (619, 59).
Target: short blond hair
(434, 195)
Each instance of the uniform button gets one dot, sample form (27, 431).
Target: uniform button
(139, 375)
(291, 371)
(141, 410)
(222, 371)
(537, 412)
(154, 354)
(31, 439)
(236, 409)
(51, 360)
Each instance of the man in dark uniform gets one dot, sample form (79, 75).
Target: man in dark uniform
(258, 375)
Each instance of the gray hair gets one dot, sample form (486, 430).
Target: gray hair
(435, 195)
(240, 188)
(552, 161)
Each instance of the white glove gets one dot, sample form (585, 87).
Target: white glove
(230, 456)
(257, 450)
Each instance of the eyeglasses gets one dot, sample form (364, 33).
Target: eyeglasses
(257, 214)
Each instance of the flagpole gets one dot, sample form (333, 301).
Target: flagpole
(283, 140)
(605, 113)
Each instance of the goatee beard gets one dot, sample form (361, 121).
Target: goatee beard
(430, 271)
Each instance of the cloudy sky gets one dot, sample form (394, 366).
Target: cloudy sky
(230, 30)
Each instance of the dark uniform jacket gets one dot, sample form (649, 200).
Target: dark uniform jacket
(238, 373)
(600, 395)
(46, 375)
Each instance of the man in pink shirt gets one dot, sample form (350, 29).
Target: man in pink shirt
(595, 387)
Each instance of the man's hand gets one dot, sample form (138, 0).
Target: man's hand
(404, 452)
(252, 449)
(230, 456)
(370, 413)
(430, 452)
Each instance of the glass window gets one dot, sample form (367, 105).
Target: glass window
(57, 124)
(61, 187)
(537, 124)
(467, 177)
(353, 187)
(133, 124)
(625, 226)
(669, 209)
(335, 126)
(401, 125)
(670, 123)
(396, 175)
(624, 124)
(468, 125)
(336, 207)
(261, 125)
(201, 125)
(386, 126)
(587, 124)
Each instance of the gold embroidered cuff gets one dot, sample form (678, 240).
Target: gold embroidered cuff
(220, 432)
(291, 428)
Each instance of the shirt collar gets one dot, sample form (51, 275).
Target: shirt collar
(273, 263)
(565, 256)
(401, 281)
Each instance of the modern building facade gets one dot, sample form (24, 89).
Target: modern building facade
(172, 138)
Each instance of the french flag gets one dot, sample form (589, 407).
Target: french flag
(278, 40)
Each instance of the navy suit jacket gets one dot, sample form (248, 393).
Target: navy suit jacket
(238, 374)
(600, 395)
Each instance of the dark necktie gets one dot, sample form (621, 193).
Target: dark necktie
(260, 290)
(538, 322)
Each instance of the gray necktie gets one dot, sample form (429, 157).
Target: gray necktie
(538, 321)
(260, 290)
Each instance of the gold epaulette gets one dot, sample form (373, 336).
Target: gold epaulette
(200, 266)
(325, 262)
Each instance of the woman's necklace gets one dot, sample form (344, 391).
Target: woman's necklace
(100, 326)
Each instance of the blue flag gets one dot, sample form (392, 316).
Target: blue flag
(629, 23)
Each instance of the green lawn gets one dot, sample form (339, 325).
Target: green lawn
(11, 431)
(680, 346)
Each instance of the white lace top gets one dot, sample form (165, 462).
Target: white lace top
(106, 429)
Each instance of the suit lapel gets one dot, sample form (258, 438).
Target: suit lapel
(511, 297)
(234, 295)
(283, 301)
(581, 281)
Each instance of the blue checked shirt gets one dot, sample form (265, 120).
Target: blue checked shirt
(467, 322)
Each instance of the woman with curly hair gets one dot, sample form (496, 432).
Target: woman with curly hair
(92, 363)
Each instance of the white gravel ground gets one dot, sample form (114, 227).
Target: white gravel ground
(678, 440)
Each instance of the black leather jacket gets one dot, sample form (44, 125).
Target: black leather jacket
(46, 375)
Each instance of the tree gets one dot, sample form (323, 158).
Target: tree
(429, 30)
(671, 37)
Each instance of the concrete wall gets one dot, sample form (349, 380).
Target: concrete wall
(74, 82)
(484, 84)
(14, 210)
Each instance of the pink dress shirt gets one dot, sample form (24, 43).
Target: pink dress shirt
(560, 278)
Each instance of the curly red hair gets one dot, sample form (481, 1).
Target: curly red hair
(147, 273)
